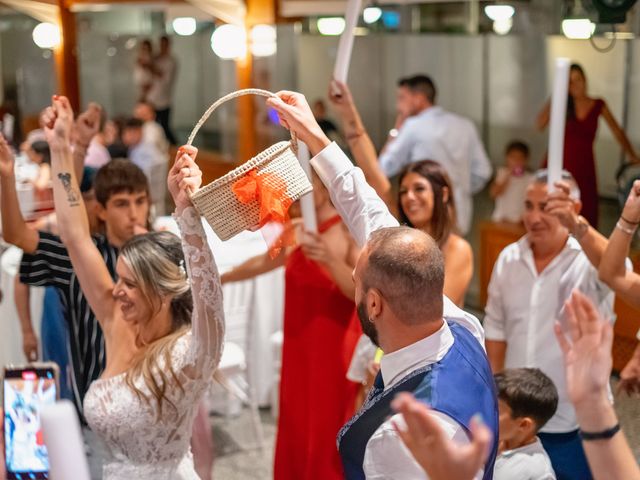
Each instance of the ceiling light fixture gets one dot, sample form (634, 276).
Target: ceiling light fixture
(499, 12)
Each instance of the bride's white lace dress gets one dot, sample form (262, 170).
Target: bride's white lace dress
(142, 446)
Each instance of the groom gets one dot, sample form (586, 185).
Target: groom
(432, 348)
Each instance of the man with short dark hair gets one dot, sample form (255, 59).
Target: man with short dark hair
(420, 84)
(408, 268)
(432, 348)
(425, 131)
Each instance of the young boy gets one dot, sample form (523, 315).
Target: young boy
(527, 399)
(508, 188)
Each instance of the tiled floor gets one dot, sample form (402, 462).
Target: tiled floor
(236, 455)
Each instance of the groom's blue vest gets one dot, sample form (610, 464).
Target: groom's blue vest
(460, 385)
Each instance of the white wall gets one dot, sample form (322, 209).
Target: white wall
(520, 70)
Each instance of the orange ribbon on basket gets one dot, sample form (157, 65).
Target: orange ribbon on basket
(271, 193)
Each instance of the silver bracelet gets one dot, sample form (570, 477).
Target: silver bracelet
(624, 229)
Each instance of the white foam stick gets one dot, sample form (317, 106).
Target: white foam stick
(62, 437)
(307, 205)
(343, 58)
(558, 119)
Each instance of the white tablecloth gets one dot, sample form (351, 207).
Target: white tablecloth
(253, 308)
(10, 333)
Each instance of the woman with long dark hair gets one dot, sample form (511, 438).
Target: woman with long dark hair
(425, 198)
(425, 202)
(583, 113)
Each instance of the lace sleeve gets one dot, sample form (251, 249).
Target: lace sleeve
(207, 321)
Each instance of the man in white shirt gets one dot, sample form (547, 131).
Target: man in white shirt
(429, 132)
(401, 307)
(152, 132)
(160, 94)
(530, 283)
(152, 162)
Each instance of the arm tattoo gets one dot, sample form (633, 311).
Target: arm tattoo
(73, 195)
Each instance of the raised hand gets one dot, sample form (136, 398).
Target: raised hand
(315, 248)
(87, 124)
(340, 96)
(631, 211)
(30, 346)
(296, 115)
(184, 177)
(439, 456)
(7, 159)
(58, 122)
(630, 375)
(562, 206)
(587, 355)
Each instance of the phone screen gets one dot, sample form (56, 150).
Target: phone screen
(26, 391)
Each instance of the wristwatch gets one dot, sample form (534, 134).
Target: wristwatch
(581, 228)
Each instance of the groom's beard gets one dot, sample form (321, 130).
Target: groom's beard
(368, 327)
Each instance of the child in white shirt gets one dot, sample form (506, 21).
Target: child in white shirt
(510, 185)
(527, 399)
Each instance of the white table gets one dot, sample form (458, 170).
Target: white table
(253, 308)
(10, 333)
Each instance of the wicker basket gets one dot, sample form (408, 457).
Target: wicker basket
(218, 204)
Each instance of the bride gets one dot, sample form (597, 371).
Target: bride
(162, 320)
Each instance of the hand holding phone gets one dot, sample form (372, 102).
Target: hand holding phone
(26, 390)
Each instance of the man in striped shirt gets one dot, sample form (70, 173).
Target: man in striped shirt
(122, 205)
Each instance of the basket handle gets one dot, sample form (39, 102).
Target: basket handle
(231, 96)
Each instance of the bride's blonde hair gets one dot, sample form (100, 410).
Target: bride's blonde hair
(157, 265)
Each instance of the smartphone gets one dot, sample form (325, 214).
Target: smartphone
(25, 391)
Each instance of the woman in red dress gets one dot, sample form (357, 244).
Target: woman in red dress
(320, 334)
(583, 113)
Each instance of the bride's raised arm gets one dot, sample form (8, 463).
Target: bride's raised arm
(207, 322)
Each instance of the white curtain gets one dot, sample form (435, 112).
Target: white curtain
(43, 11)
